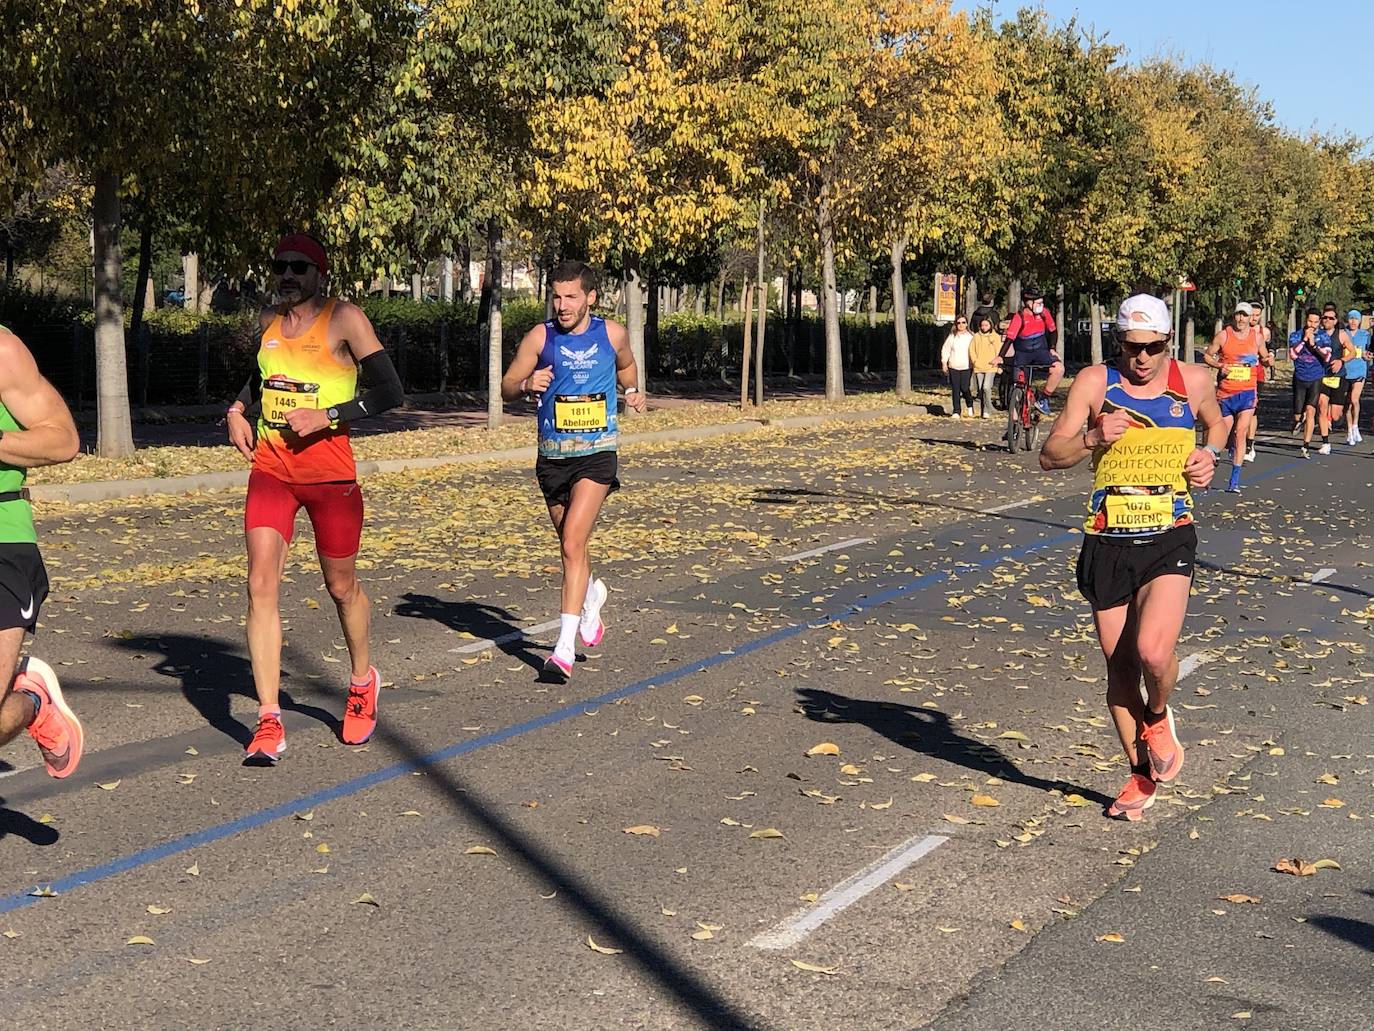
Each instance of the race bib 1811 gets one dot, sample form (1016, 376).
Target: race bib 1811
(579, 413)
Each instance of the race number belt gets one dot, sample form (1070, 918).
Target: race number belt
(579, 413)
(281, 395)
(1331, 381)
(1136, 512)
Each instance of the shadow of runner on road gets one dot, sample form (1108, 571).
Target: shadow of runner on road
(1356, 932)
(483, 622)
(928, 732)
(23, 826)
(211, 673)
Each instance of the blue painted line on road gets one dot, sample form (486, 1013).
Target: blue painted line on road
(262, 817)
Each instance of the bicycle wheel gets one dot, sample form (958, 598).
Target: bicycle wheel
(1016, 400)
(1030, 435)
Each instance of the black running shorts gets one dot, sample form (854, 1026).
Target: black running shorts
(23, 585)
(1111, 570)
(557, 475)
(1339, 395)
(1305, 394)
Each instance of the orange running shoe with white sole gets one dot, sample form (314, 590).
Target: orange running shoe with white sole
(1137, 796)
(55, 729)
(269, 741)
(1165, 750)
(360, 710)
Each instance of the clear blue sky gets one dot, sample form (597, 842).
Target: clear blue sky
(1270, 44)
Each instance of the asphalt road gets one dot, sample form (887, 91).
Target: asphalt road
(474, 865)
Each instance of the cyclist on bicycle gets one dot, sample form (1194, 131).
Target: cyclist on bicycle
(1028, 340)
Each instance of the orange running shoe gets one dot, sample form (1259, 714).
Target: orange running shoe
(56, 729)
(360, 710)
(1162, 744)
(269, 740)
(1137, 796)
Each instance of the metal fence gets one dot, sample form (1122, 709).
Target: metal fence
(211, 363)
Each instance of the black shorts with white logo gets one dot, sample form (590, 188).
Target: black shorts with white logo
(1111, 570)
(1339, 395)
(23, 585)
(557, 475)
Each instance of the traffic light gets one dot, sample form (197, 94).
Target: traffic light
(1301, 292)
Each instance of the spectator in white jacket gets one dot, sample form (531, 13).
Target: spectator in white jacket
(954, 362)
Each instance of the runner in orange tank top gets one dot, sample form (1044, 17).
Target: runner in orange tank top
(311, 353)
(1238, 353)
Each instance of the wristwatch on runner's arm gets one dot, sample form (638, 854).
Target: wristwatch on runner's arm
(1214, 451)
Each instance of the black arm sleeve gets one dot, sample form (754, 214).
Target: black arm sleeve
(383, 389)
(251, 392)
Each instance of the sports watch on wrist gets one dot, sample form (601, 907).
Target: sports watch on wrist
(631, 390)
(1214, 451)
(333, 414)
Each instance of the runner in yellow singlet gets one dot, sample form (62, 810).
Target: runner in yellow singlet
(1136, 566)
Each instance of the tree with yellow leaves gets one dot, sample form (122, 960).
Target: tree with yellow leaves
(659, 163)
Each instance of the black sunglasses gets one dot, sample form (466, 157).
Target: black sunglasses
(298, 267)
(1157, 348)
(1328, 318)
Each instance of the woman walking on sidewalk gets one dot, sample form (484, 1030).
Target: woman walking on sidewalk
(954, 362)
(983, 356)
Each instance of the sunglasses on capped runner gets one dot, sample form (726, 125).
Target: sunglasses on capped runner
(298, 267)
(1153, 350)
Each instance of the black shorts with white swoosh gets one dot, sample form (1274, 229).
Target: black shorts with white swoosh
(23, 585)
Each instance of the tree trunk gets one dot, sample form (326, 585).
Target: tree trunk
(720, 299)
(970, 297)
(634, 314)
(899, 318)
(465, 271)
(1189, 333)
(446, 280)
(1014, 295)
(145, 265)
(417, 287)
(190, 274)
(700, 307)
(834, 359)
(1292, 318)
(495, 366)
(746, 304)
(651, 324)
(1096, 310)
(763, 308)
(1060, 345)
(114, 435)
(872, 305)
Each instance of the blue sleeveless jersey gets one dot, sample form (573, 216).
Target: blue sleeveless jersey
(577, 414)
(1139, 488)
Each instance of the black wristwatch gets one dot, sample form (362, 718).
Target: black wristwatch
(333, 414)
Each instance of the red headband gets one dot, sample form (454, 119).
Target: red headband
(302, 244)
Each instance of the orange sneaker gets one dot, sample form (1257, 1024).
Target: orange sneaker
(1162, 744)
(269, 740)
(1137, 796)
(360, 710)
(56, 729)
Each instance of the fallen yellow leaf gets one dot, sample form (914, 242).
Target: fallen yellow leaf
(767, 832)
(140, 939)
(814, 969)
(644, 830)
(604, 950)
(824, 748)
(479, 850)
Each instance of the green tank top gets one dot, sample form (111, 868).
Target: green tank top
(16, 517)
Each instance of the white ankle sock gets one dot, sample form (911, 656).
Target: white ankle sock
(591, 589)
(567, 632)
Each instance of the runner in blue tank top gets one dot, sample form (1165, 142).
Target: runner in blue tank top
(1355, 371)
(574, 364)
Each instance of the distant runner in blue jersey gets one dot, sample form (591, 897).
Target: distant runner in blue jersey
(574, 364)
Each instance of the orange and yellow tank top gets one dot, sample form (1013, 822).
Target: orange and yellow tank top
(1241, 354)
(302, 372)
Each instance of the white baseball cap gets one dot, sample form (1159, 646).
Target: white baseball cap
(1244, 307)
(1144, 312)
